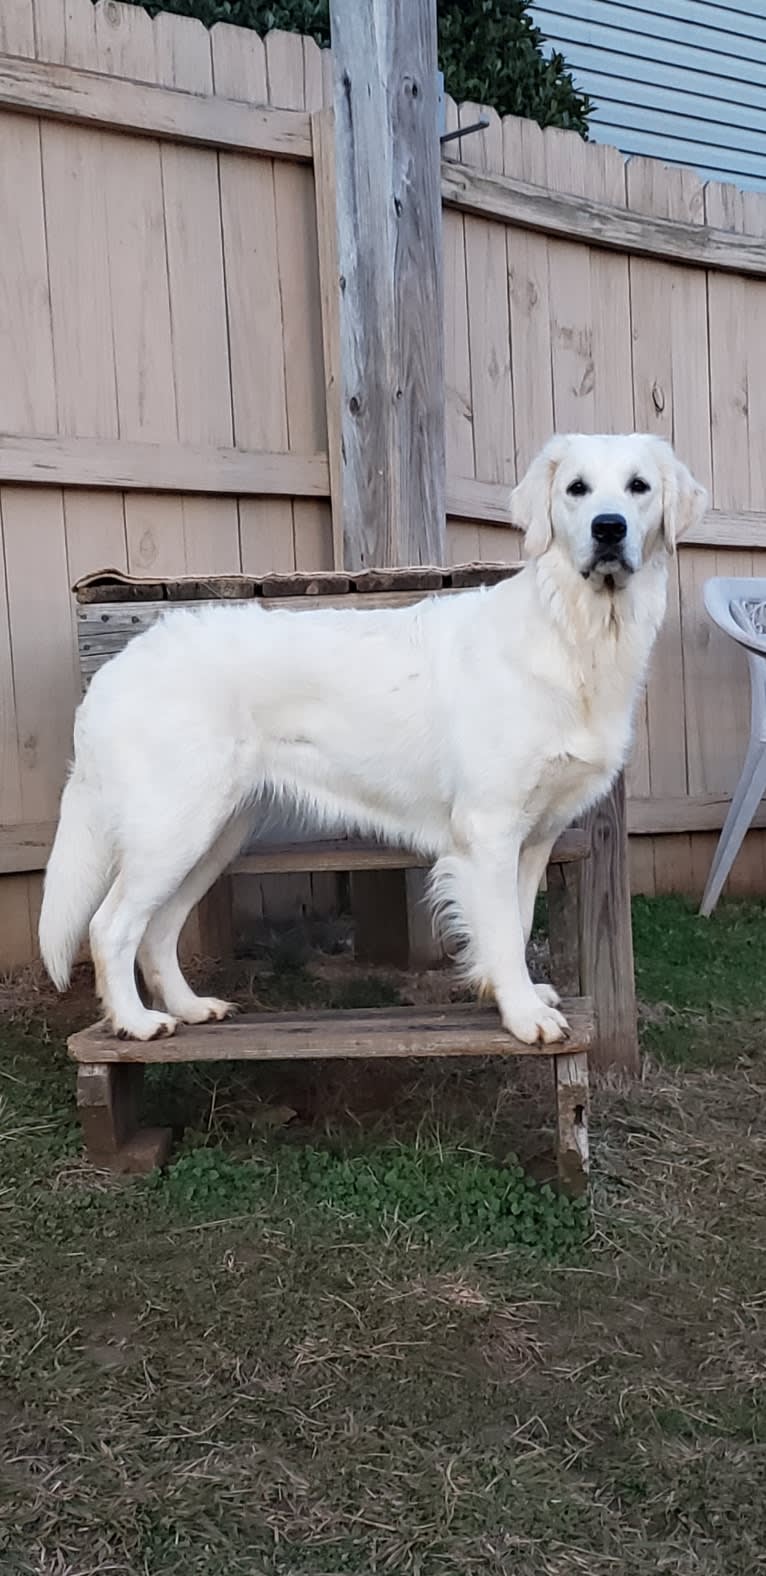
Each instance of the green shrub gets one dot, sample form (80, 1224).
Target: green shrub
(489, 50)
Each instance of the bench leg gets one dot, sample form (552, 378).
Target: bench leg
(108, 1104)
(392, 920)
(215, 919)
(564, 928)
(571, 1075)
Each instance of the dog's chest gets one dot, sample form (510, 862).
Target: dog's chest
(588, 750)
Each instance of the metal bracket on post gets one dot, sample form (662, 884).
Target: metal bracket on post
(464, 131)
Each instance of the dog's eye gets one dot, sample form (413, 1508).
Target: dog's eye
(577, 488)
(638, 485)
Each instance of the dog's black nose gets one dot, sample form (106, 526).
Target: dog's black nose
(608, 529)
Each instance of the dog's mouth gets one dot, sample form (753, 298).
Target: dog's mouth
(608, 570)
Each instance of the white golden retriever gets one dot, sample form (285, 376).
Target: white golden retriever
(474, 727)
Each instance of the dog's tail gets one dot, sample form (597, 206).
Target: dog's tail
(76, 880)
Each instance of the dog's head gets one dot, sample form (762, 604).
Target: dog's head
(609, 503)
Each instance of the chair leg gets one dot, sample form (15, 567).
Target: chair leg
(747, 797)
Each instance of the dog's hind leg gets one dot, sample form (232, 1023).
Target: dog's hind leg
(150, 873)
(158, 953)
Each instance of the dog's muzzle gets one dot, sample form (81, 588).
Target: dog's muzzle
(608, 564)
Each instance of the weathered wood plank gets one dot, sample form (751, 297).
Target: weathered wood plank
(391, 310)
(25, 847)
(663, 380)
(571, 301)
(489, 332)
(697, 812)
(173, 114)
(323, 131)
(336, 854)
(598, 224)
(17, 28)
(457, 355)
(571, 1075)
(108, 1104)
(248, 210)
(529, 302)
(606, 939)
(295, 82)
(161, 467)
(723, 528)
(460, 1030)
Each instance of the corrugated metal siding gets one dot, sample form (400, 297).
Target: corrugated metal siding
(684, 82)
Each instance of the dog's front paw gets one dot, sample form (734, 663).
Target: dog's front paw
(534, 1023)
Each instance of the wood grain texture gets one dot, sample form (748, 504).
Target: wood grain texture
(572, 1101)
(25, 847)
(17, 28)
(85, 98)
(457, 353)
(298, 324)
(670, 393)
(529, 303)
(295, 80)
(606, 939)
(556, 213)
(489, 337)
(254, 306)
(406, 1031)
(563, 901)
(389, 250)
(323, 131)
(350, 854)
(571, 301)
(160, 467)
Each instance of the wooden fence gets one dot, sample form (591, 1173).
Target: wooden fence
(168, 374)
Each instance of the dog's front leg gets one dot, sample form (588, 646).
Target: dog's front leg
(487, 881)
(533, 860)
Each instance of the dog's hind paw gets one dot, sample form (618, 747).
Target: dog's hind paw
(208, 1009)
(548, 996)
(150, 1026)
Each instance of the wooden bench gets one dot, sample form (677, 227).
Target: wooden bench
(110, 1070)
(112, 609)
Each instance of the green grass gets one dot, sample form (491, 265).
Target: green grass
(450, 1197)
(701, 982)
(346, 1332)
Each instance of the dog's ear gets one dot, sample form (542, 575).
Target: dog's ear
(684, 501)
(531, 500)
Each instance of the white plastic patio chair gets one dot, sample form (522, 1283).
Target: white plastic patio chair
(738, 607)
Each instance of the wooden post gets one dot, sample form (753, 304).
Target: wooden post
(391, 318)
(388, 201)
(108, 1104)
(606, 936)
(564, 942)
(571, 1077)
(570, 1072)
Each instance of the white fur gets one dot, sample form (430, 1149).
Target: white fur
(473, 727)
